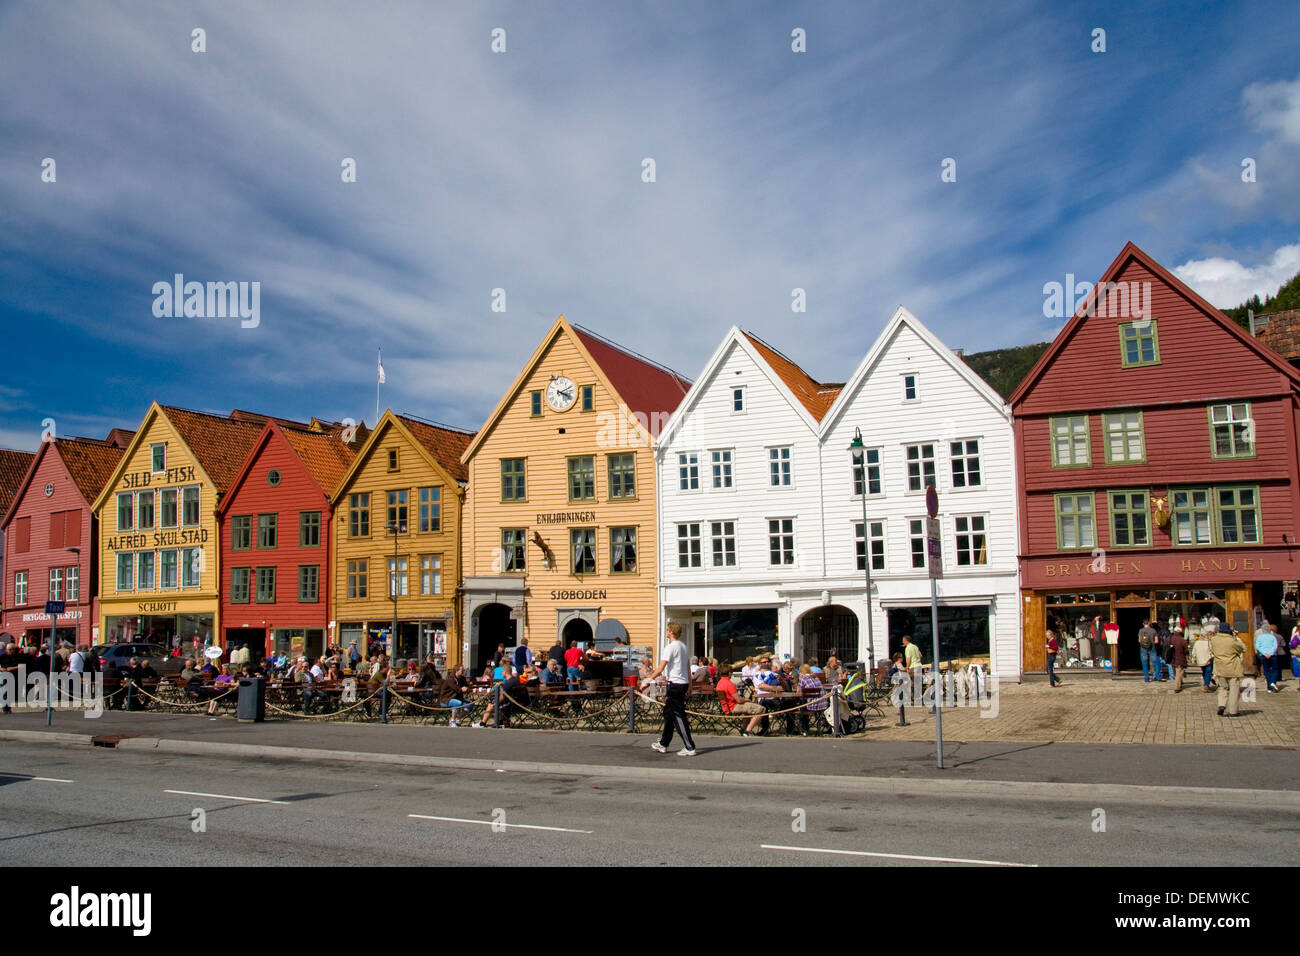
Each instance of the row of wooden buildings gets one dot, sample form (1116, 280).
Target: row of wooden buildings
(1146, 467)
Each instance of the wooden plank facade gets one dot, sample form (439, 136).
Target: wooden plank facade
(1158, 469)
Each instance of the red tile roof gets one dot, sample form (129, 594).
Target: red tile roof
(1282, 333)
(324, 455)
(13, 469)
(90, 462)
(815, 396)
(220, 444)
(121, 437)
(240, 415)
(446, 445)
(644, 386)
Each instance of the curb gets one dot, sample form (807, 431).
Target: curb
(883, 786)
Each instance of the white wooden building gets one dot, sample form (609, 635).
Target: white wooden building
(761, 522)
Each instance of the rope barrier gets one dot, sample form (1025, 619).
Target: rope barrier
(468, 705)
(179, 703)
(535, 713)
(767, 713)
(306, 716)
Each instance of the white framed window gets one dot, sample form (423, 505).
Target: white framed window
(874, 486)
(779, 466)
(56, 584)
(74, 583)
(723, 538)
(916, 541)
(20, 587)
(877, 545)
(397, 568)
(965, 455)
(430, 574)
(720, 460)
(972, 544)
(688, 545)
(1070, 441)
(622, 550)
(920, 467)
(910, 387)
(688, 471)
(512, 550)
(1232, 431)
(780, 541)
(738, 399)
(1124, 439)
(582, 550)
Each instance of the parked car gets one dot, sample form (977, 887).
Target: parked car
(114, 658)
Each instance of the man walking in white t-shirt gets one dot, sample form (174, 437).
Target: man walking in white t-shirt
(677, 663)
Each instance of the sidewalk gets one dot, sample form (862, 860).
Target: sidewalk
(1104, 711)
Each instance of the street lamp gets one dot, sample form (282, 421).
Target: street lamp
(858, 459)
(394, 529)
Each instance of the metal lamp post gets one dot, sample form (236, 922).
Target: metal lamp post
(394, 529)
(858, 459)
(77, 602)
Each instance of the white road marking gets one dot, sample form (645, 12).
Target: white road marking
(23, 776)
(225, 796)
(892, 856)
(488, 823)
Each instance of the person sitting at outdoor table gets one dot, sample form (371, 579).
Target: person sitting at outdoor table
(429, 680)
(788, 676)
(731, 702)
(223, 682)
(810, 683)
(833, 673)
(814, 667)
(766, 683)
(189, 673)
(749, 669)
(552, 676)
(141, 670)
(511, 687)
(454, 693)
(380, 663)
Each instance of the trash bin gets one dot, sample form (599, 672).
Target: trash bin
(252, 700)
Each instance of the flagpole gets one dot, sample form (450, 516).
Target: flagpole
(378, 382)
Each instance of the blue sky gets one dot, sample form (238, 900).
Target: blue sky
(522, 171)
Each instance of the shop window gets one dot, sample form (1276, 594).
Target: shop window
(1232, 431)
(1139, 343)
(1075, 527)
(1129, 519)
(1070, 441)
(920, 467)
(877, 545)
(688, 545)
(723, 539)
(622, 550)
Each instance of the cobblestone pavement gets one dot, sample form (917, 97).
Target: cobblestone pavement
(1105, 711)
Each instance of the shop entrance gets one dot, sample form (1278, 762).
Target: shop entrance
(577, 630)
(492, 625)
(829, 630)
(1130, 621)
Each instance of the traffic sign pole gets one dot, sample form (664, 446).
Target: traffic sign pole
(53, 609)
(934, 560)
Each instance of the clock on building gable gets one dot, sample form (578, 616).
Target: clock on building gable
(561, 393)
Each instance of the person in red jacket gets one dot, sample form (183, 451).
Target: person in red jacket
(1052, 648)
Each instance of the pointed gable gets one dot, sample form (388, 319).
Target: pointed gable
(1198, 346)
(643, 385)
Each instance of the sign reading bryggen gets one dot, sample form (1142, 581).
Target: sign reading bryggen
(560, 513)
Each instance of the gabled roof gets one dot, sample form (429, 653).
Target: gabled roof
(120, 437)
(815, 396)
(881, 346)
(1090, 305)
(443, 446)
(640, 384)
(324, 456)
(88, 461)
(257, 418)
(13, 470)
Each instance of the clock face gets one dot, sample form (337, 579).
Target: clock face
(561, 393)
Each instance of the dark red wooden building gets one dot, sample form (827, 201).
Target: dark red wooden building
(51, 515)
(1156, 445)
(275, 540)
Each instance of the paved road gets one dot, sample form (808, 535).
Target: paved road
(105, 807)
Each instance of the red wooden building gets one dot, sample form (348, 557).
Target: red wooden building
(275, 540)
(1156, 444)
(50, 515)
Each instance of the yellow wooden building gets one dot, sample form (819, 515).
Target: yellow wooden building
(559, 526)
(397, 519)
(159, 555)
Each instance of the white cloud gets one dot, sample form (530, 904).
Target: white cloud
(1275, 107)
(1227, 283)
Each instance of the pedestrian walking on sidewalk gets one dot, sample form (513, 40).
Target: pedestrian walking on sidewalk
(1266, 647)
(1178, 646)
(1053, 648)
(676, 663)
(1203, 655)
(1149, 651)
(1228, 652)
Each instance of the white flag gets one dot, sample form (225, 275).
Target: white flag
(382, 377)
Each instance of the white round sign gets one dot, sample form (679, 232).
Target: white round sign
(212, 653)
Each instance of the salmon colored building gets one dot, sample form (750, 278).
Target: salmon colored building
(52, 534)
(276, 526)
(560, 520)
(1158, 468)
(13, 469)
